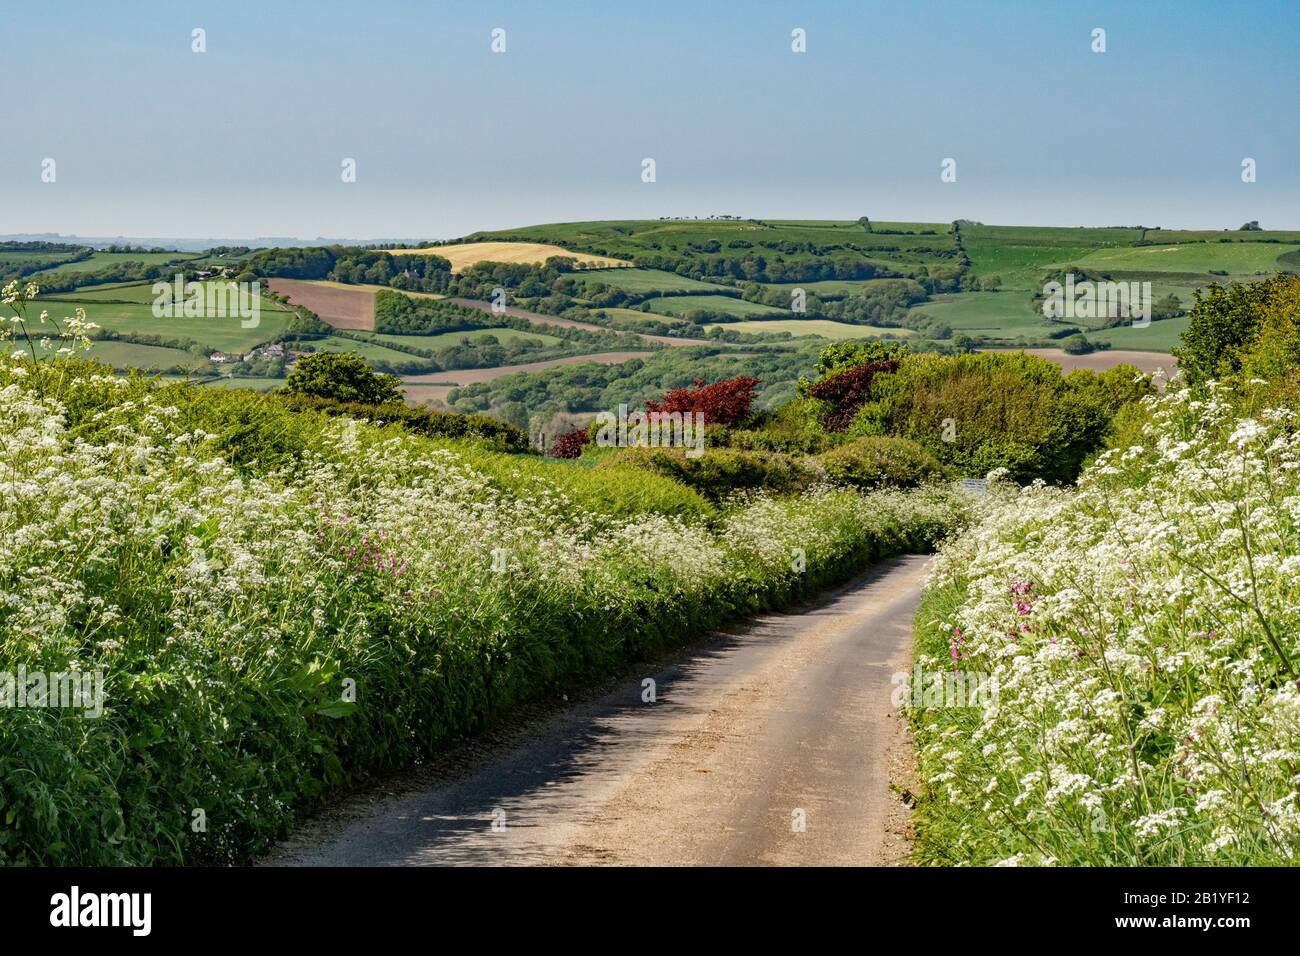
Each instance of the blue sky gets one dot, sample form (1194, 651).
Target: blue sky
(247, 139)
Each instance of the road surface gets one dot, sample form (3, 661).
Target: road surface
(784, 720)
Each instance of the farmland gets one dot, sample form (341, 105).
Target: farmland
(819, 327)
(723, 283)
(343, 307)
(463, 255)
(103, 260)
(680, 305)
(1233, 258)
(644, 280)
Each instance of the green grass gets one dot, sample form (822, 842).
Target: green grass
(1157, 337)
(833, 287)
(128, 355)
(1237, 258)
(445, 339)
(225, 334)
(643, 280)
(1209, 235)
(367, 350)
(681, 304)
(102, 260)
(1002, 314)
(823, 327)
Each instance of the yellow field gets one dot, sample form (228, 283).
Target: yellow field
(466, 254)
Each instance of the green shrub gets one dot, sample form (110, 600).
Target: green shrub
(719, 471)
(881, 461)
(274, 633)
(419, 421)
(1225, 324)
(990, 410)
(342, 377)
(794, 428)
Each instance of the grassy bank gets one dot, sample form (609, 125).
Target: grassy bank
(1140, 634)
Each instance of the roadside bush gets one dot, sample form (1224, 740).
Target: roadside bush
(881, 461)
(234, 611)
(845, 391)
(418, 421)
(990, 410)
(1225, 324)
(719, 472)
(1137, 635)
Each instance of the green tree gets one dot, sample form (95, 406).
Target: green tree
(1224, 323)
(343, 377)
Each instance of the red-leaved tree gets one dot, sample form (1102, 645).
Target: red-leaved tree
(846, 391)
(722, 403)
(569, 445)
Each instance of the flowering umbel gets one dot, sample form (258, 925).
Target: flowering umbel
(72, 332)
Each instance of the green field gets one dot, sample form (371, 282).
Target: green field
(833, 287)
(822, 327)
(681, 304)
(1157, 337)
(10, 258)
(102, 260)
(135, 318)
(1019, 255)
(1236, 258)
(129, 355)
(990, 313)
(121, 292)
(367, 350)
(445, 339)
(644, 280)
(688, 240)
(256, 384)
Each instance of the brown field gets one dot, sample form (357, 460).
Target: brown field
(1146, 362)
(340, 306)
(435, 386)
(465, 254)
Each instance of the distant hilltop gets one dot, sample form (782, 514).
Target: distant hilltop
(193, 245)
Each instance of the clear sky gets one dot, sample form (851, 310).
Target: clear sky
(247, 139)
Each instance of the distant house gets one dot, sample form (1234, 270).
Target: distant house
(219, 357)
(276, 350)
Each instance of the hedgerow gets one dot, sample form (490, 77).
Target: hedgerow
(283, 603)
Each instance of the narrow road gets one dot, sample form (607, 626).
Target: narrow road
(788, 719)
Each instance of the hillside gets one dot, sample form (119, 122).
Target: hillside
(768, 291)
